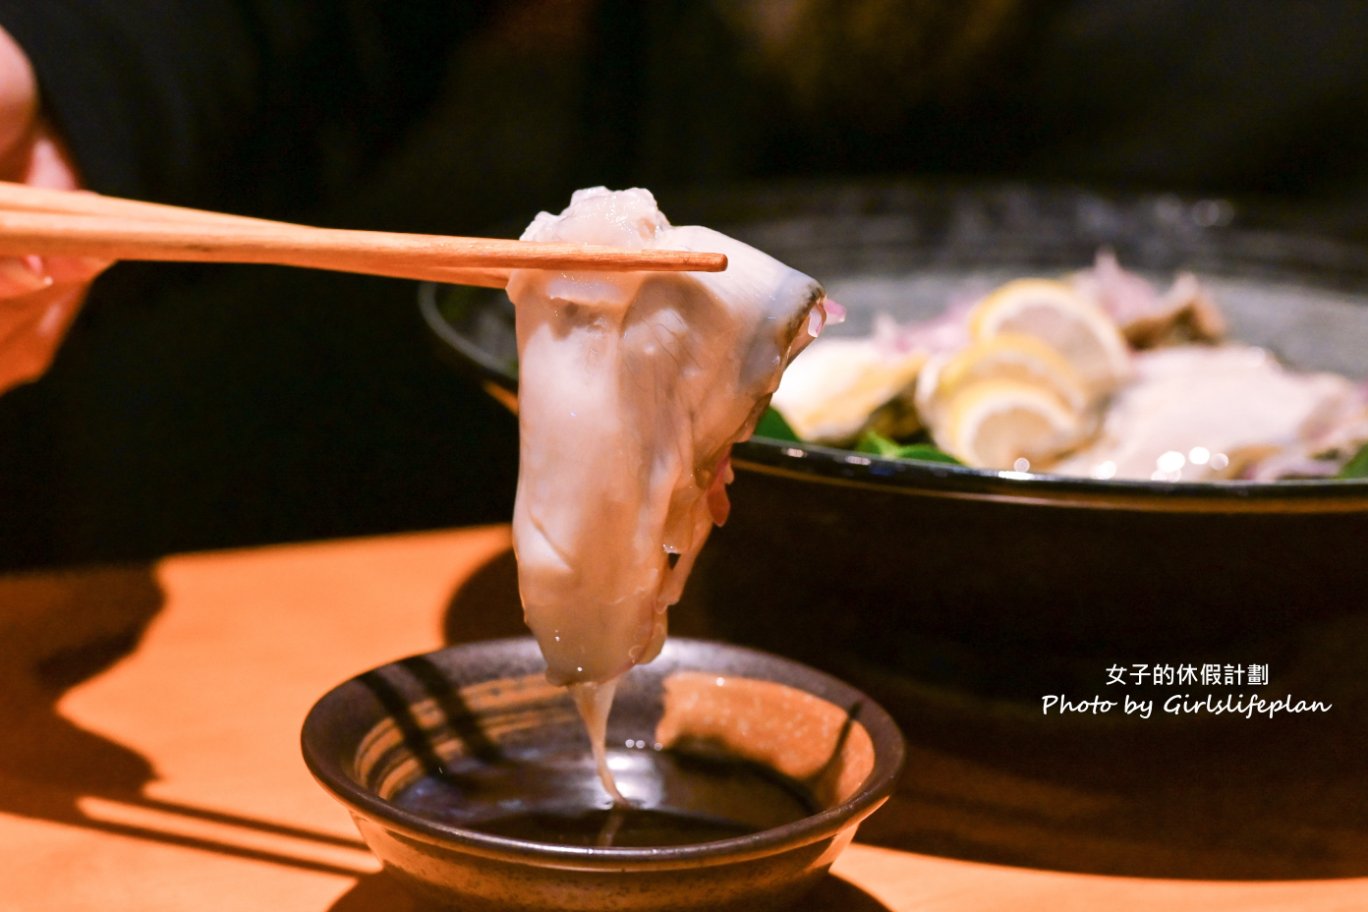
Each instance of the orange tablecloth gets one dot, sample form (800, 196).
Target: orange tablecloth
(150, 719)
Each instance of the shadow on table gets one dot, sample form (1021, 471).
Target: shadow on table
(57, 630)
(1175, 796)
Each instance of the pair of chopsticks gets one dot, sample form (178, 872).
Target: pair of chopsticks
(78, 223)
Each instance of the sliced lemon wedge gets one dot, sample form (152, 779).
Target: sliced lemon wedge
(1052, 312)
(1005, 356)
(994, 423)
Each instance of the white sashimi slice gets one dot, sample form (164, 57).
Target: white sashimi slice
(632, 389)
(1191, 407)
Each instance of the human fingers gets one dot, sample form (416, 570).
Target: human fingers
(32, 327)
(21, 276)
(18, 100)
(49, 165)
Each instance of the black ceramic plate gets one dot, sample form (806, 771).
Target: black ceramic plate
(907, 250)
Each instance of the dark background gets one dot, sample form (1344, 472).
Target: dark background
(200, 407)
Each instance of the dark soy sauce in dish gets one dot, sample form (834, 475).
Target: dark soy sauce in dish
(676, 798)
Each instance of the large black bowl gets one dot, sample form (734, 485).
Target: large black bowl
(949, 572)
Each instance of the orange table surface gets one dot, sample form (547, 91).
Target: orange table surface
(150, 760)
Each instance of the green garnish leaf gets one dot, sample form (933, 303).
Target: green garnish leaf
(926, 453)
(1357, 466)
(773, 426)
(879, 445)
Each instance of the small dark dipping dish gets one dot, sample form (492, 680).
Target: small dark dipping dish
(470, 777)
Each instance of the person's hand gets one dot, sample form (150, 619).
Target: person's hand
(39, 296)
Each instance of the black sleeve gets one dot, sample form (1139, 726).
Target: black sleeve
(240, 104)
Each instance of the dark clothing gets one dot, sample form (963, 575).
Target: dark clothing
(202, 406)
(255, 104)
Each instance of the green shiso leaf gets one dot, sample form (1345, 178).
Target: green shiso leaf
(879, 445)
(773, 426)
(1357, 466)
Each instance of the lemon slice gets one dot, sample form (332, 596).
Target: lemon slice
(1005, 356)
(994, 423)
(1076, 328)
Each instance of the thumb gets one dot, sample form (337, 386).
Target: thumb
(18, 102)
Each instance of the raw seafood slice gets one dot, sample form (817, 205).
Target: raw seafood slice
(1184, 313)
(1191, 408)
(632, 389)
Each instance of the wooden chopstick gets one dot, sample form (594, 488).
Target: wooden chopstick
(24, 198)
(54, 222)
